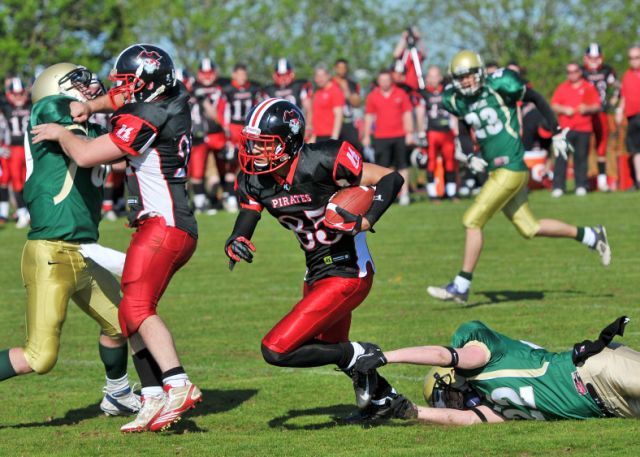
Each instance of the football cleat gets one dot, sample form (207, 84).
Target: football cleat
(179, 400)
(151, 408)
(365, 383)
(377, 410)
(602, 245)
(449, 293)
(120, 403)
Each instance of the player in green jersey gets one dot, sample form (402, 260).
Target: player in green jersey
(492, 378)
(488, 105)
(61, 259)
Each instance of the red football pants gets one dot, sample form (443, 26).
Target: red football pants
(198, 160)
(155, 253)
(443, 143)
(600, 123)
(324, 313)
(14, 169)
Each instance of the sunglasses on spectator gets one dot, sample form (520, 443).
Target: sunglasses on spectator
(574, 70)
(634, 57)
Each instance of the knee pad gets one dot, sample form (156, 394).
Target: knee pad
(131, 314)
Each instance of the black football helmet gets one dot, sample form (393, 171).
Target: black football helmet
(283, 73)
(273, 134)
(142, 73)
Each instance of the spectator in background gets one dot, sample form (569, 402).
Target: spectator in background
(327, 106)
(409, 54)
(574, 100)
(390, 108)
(630, 108)
(352, 99)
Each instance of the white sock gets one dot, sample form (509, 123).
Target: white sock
(451, 189)
(357, 351)
(153, 391)
(115, 385)
(199, 200)
(177, 380)
(589, 237)
(4, 210)
(431, 190)
(462, 284)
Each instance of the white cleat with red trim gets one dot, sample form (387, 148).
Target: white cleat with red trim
(151, 408)
(179, 400)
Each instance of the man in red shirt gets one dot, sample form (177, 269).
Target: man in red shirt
(630, 108)
(574, 100)
(326, 106)
(390, 108)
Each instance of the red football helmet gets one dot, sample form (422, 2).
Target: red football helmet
(593, 57)
(273, 134)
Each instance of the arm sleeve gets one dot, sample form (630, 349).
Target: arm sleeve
(347, 168)
(386, 191)
(247, 202)
(551, 123)
(464, 135)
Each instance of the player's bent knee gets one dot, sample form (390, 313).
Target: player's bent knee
(527, 230)
(44, 362)
(274, 358)
(132, 315)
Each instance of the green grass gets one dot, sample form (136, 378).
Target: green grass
(552, 292)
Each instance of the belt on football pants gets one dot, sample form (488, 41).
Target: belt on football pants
(598, 400)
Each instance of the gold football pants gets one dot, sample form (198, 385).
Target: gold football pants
(615, 374)
(505, 190)
(54, 272)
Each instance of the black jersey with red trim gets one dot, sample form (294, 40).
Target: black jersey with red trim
(299, 202)
(295, 92)
(603, 79)
(157, 139)
(212, 93)
(415, 96)
(16, 122)
(239, 100)
(437, 117)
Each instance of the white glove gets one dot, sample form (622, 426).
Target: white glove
(476, 164)
(560, 144)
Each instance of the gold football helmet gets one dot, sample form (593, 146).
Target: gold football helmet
(66, 79)
(443, 389)
(464, 64)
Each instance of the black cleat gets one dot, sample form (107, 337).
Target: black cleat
(377, 410)
(365, 382)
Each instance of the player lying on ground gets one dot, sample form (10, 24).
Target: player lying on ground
(59, 260)
(152, 132)
(493, 378)
(488, 105)
(294, 181)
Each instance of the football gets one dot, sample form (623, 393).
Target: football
(356, 200)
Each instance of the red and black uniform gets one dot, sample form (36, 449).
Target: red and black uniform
(339, 266)
(602, 79)
(238, 100)
(440, 137)
(157, 139)
(295, 92)
(14, 167)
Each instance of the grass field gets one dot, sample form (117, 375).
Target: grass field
(550, 292)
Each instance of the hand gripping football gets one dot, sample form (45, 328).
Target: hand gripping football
(356, 200)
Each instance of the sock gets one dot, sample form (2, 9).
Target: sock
(431, 190)
(154, 391)
(116, 385)
(114, 360)
(199, 200)
(451, 189)
(586, 236)
(107, 199)
(357, 350)
(602, 167)
(19, 200)
(213, 193)
(4, 203)
(148, 370)
(6, 369)
(175, 377)
(463, 281)
(227, 188)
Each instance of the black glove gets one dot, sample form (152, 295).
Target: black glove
(237, 249)
(351, 225)
(403, 408)
(370, 361)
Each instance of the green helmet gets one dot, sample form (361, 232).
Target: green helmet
(463, 64)
(66, 79)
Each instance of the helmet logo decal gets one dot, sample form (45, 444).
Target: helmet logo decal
(293, 119)
(149, 60)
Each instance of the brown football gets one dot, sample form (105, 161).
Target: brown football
(356, 200)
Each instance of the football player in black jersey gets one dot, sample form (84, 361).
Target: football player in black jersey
(151, 130)
(285, 85)
(294, 181)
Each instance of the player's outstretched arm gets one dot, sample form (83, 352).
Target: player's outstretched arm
(86, 152)
(81, 111)
(239, 246)
(450, 416)
(468, 357)
(388, 183)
